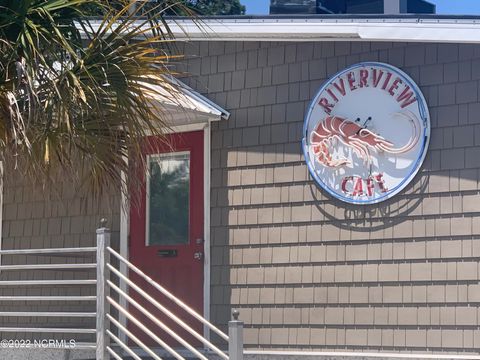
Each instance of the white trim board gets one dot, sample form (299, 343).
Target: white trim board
(2, 179)
(311, 30)
(359, 355)
(444, 30)
(206, 226)
(123, 248)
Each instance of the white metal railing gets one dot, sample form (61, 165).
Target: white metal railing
(113, 339)
(115, 345)
(29, 281)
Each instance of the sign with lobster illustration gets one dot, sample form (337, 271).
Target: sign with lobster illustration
(366, 133)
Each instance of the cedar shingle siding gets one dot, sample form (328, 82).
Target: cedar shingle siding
(34, 217)
(308, 271)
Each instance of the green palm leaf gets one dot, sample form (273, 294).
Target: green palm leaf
(77, 107)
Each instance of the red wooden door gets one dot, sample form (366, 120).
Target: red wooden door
(166, 228)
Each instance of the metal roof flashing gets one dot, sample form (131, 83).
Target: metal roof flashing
(407, 28)
(394, 28)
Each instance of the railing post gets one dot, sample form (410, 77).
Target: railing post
(235, 337)
(103, 241)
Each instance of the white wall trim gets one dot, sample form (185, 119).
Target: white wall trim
(363, 355)
(317, 29)
(206, 225)
(2, 179)
(123, 247)
(403, 29)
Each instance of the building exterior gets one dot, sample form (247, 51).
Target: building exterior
(309, 273)
(351, 7)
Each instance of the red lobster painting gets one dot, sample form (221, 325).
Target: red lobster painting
(336, 129)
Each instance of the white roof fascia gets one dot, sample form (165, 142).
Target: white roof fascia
(175, 115)
(315, 30)
(326, 29)
(422, 32)
(200, 102)
(183, 105)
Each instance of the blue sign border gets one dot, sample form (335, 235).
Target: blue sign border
(425, 117)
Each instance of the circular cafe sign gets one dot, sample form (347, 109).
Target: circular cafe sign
(366, 133)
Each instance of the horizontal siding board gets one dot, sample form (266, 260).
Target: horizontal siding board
(398, 276)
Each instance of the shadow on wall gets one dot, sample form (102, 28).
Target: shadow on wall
(220, 271)
(374, 217)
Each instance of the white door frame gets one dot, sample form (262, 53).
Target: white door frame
(125, 221)
(206, 226)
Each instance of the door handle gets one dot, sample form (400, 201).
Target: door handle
(198, 255)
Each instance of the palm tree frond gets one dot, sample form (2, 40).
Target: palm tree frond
(63, 103)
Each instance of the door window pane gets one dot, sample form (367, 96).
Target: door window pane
(168, 193)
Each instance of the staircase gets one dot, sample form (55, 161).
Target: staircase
(165, 356)
(112, 311)
(111, 337)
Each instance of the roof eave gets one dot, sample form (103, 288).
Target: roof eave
(465, 29)
(408, 31)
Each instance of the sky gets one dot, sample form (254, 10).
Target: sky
(459, 7)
